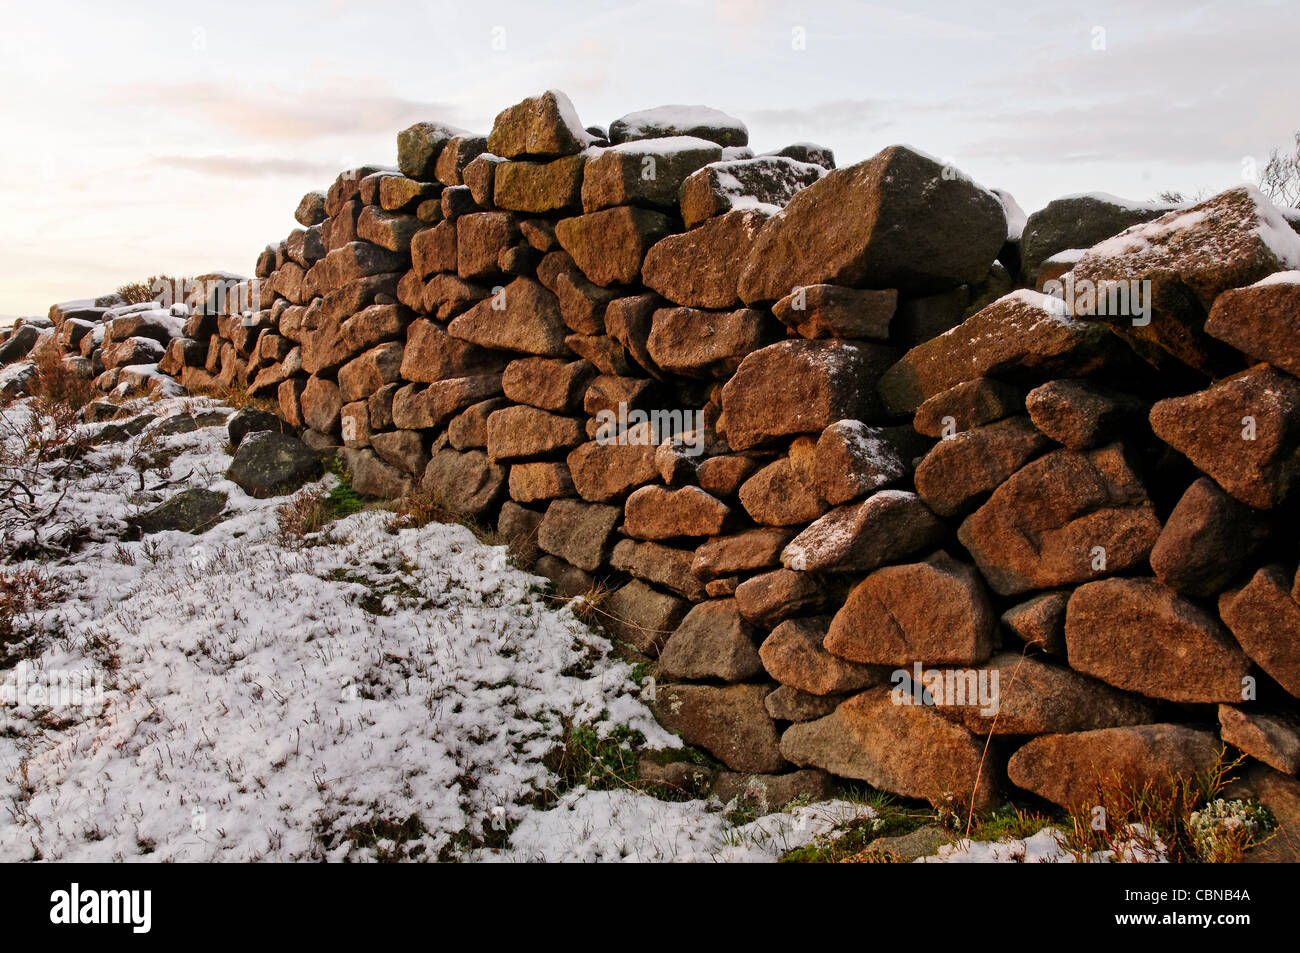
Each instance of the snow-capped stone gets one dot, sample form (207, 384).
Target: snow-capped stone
(677, 120)
(1024, 333)
(898, 220)
(311, 210)
(806, 152)
(764, 183)
(541, 126)
(853, 459)
(1190, 256)
(643, 172)
(420, 145)
(1079, 221)
(887, 526)
(1262, 320)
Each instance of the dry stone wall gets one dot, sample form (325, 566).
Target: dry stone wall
(858, 489)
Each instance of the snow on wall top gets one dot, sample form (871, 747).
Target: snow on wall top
(677, 119)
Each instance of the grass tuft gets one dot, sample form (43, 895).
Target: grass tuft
(23, 594)
(58, 385)
(307, 512)
(1131, 817)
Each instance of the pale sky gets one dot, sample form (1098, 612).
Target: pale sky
(164, 137)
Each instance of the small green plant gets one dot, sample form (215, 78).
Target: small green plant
(1009, 822)
(342, 499)
(584, 758)
(389, 838)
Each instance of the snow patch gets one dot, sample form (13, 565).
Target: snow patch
(665, 146)
(1016, 217)
(592, 826)
(1279, 278)
(1140, 846)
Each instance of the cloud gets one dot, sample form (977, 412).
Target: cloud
(270, 113)
(1141, 129)
(843, 116)
(241, 167)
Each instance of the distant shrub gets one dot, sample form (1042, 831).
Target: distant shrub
(139, 292)
(1280, 179)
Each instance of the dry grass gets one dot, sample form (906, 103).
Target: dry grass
(138, 292)
(1184, 820)
(421, 507)
(23, 593)
(589, 607)
(58, 384)
(301, 518)
(1132, 816)
(39, 446)
(238, 397)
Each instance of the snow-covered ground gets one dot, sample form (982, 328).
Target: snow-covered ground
(1048, 846)
(233, 696)
(239, 699)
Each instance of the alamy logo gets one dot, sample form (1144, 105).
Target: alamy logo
(952, 687)
(651, 427)
(225, 295)
(53, 688)
(77, 906)
(1117, 299)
